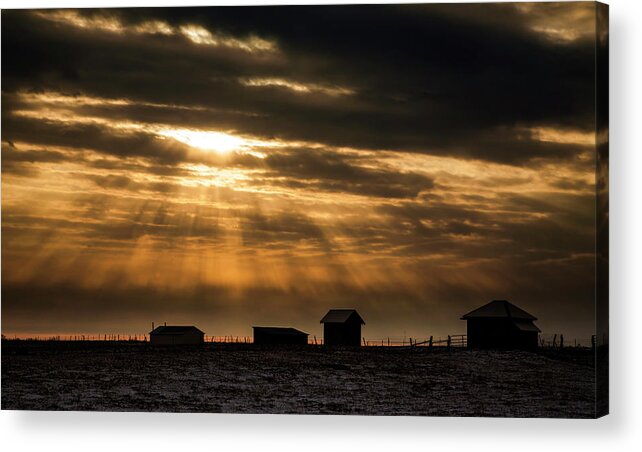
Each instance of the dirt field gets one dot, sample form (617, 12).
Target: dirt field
(310, 380)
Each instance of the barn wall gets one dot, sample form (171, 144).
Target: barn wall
(498, 334)
(188, 338)
(156, 339)
(342, 334)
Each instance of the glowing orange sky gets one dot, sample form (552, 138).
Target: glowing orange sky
(123, 203)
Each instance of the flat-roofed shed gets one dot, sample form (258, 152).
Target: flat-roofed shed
(176, 335)
(274, 335)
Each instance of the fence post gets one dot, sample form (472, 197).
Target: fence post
(554, 340)
(364, 341)
(593, 343)
(449, 342)
(561, 341)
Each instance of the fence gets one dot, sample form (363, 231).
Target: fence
(83, 338)
(545, 340)
(449, 341)
(456, 340)
(230, 339)
(558, 340)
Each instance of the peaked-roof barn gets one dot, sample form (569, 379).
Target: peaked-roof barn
(499, 309)
(341, 316)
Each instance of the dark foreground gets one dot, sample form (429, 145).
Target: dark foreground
(308, 380)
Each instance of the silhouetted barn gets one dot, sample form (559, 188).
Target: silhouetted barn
(176, 335)
(270, 335)
(500, 324)
(342, 327)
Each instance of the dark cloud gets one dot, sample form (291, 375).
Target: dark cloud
(527, 230)
(21, 162)
(422, 81)
(96, 137)
(278, 230)
(332, 171)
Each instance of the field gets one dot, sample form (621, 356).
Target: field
(310, 380)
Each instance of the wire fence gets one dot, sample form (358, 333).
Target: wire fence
(559, 340)
(458, 340)
(391, 341)
(83, 338)
(545, 340)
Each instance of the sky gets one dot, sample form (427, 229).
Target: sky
(228, 167)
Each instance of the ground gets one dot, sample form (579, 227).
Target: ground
(308, 380)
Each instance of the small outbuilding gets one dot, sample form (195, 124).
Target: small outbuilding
(342, 327)
(271, 335)
(502, 325)
(176, 335)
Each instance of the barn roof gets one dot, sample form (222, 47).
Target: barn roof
(174, 330)
(341, 316)
(499, 309)
(281, 331)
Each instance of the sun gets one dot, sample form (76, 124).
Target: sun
(219, 142)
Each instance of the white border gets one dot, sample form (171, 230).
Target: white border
(115, 432)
